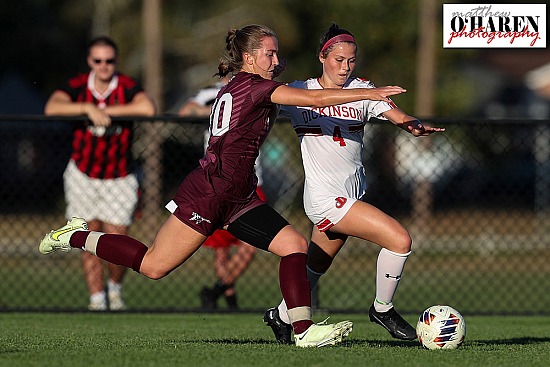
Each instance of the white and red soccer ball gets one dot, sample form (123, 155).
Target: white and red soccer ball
(441, 327)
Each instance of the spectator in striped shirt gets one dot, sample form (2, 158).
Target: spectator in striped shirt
(99, 181)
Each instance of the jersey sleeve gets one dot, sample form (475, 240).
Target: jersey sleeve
(131, 87)
(262, 90)
(375, 108)
(74, 86)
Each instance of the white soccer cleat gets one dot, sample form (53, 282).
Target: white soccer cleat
(59, 239)
(346, 326)
(98, 305)
(116, 303)
(321, 335)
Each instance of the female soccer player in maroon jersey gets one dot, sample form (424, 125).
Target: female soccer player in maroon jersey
(221, 192)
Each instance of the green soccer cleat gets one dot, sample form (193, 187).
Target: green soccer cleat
(322, 335)
(59, 239)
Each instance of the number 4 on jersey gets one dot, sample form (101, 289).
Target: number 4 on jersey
(337, 136)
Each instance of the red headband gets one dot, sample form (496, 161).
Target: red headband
(338, 38)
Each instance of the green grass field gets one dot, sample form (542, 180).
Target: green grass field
(192, 339)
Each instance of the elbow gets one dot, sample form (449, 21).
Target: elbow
(48, 109)
(151, 111)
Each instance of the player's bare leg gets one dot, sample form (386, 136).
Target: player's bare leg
(367, 222)
(370, 223)
(174, 244)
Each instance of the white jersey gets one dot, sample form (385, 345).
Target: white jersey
(331, 141)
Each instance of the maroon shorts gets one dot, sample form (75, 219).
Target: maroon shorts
(222, 238)
(197, 205)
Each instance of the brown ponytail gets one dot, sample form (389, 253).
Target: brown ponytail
(238, 41)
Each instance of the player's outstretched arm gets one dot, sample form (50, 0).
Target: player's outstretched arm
(410, 124)
(328, 97)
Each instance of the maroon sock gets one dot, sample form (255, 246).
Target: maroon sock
(295, 286)
(114, 248)
(78, 239)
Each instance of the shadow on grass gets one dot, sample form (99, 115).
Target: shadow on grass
(232, 341)
(381, 343)
(470, 343)
(375, 343)
(512, 341)
(346, 343)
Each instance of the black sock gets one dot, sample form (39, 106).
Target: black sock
(220, 288)
(232, 301)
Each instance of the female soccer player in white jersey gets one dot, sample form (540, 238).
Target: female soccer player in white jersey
(331, 140)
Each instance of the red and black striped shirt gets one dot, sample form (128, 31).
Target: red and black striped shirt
(106, 154)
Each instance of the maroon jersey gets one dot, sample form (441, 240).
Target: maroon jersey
(98, 152)
(241, 118)
(224, 186)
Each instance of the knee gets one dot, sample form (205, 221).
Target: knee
(298, 244)
(301, 245)
(403, 243)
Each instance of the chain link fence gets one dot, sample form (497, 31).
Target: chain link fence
(475, 200)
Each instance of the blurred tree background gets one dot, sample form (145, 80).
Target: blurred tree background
(45, 42)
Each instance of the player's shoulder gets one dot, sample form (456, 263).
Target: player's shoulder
(127, 81)
(251, 79)
(78, 81)
(304, 84)
(357, 82)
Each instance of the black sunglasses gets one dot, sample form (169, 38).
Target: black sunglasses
(107, 61)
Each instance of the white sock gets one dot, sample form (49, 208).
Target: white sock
(283, 312)
(114, 287)
(313, 278)
(389, 268)
(98, 297)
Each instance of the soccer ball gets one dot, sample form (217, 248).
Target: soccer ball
(441, 327)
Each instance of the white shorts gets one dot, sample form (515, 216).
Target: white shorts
(328, 211)
(109, 200)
